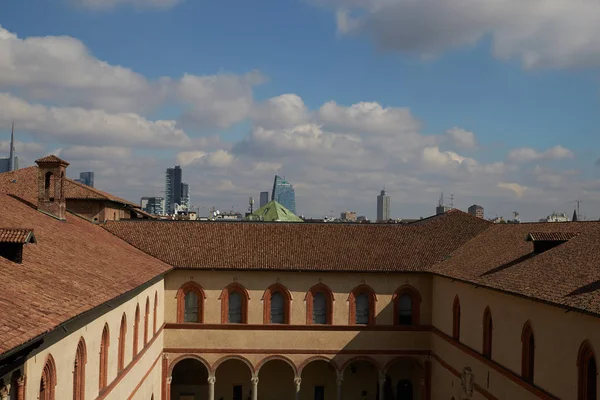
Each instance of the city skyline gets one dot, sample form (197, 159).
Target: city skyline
(500, 120)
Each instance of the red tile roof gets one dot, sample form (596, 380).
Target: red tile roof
(74, 267)
(51, 159)
(23, 184)
(306, 247)
(551, 236)
(16, 235)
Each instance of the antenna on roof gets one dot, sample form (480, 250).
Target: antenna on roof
(578, 202)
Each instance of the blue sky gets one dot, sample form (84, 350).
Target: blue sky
(298, 48)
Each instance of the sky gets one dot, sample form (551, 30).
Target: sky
(496, 102)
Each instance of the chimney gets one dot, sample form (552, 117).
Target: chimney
(51, 178)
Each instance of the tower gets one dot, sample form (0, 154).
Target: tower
(11, 157)
(383, 206)
(51, 178)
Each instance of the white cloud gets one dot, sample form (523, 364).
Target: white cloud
(87, 153)
(527, 154)
(516, 188)
(462, 139)
(109, 4)
(542, 33)
(280, 112)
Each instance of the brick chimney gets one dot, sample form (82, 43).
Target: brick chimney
(51, 177)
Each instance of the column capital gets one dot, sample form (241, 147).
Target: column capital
(382, 377)
(298, 381)
(211, 380)
(165, 356)
(340, 378)
(4, 391)
(254, 380)
(21, 380)
(169, 380)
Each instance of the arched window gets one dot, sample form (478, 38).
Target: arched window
(104, 345)
(362, 306)
(48, 187)
(277, 301)
(48, 380)
(319, 305)
(136, 330)
(146, 322)
(407, 306)
(234, 304)
(487, 333)
(122, 341)
(456, 318)
(79, 371)
(527, 353)
(155, 313)
(190, 298)
(586, 372)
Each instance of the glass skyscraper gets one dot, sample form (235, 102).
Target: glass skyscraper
(284, 194)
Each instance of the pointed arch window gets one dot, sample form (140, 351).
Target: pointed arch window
(79, 371)
(362, 306)
(407, 306)
(146, 321)
(277, 302)
(190, 303)
(587, 373)
(234, 304)
(48, 380)
(456, 318)
(136, 330)
(155, 313)
(104, 345)
(319, 305)
(487, 333)
(527, 353)
(122, 341)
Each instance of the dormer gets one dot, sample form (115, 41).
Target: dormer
(51, 179)
(12, 241)
(544, 241)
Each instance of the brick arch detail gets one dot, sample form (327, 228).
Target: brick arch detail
(363, 288)
(224, 298)
(79, 370)
(146, 320)
(306, 362)
(286, 360)
(585, 353)
(187, 287)
(287, 302)
(371, 360)
(221, 360)
(155, 312)
(189, 356)
(415, 300)
(396, 360)
(136, 330)
(48, 378)
(122, 343)
(309, 299)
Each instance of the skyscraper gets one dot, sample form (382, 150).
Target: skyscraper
(476, 211)
(264, 199)
(383, 206)
(87, 178)
(172, 189)
(152, 205)
(284, 194)
(12, 162)
(185, 195)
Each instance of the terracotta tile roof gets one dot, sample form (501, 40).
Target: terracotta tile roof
(23, 184)
(307, 247)
(16, 235)
(74, 267)
(51, 159)
(552, 236)
(502, 258)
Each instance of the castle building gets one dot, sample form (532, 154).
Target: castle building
(446, 307)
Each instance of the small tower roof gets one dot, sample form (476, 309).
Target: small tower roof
(51, 159)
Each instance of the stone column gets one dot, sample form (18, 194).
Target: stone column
(4, 391)
(21, 387)
(211, 387)
(382, 377)
(166, 388)
(340, 381)
(298, 382)
(254, 381)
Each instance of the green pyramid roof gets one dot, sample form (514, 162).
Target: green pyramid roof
(273, 211)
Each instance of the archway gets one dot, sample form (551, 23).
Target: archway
(189, 380)
(276, 380)
(319, 380)
(407, 377)
(360, 380)
(233, 379)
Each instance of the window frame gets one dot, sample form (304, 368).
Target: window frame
(103, 362)
(48, 380)
(136, 332)
(310, 298)
(224, 298)
(488, 328)
(287, 301)
(585, 354)
(155, 313)
(187, 287)
(79, 371)
(415, 304)
(368, 290)
(146, 321)
(527, 353)
(122, 342)
(456, 318)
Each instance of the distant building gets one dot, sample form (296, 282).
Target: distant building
(87, 178)
(273, 212)
(556, 217)
(12, 162)
(361, 218)
(383, 206)
(442, 207)
(284, 194)
(185, 195)
(153, 205)
(348, 216)
(476, 211)
(172, 189)
(264, 199)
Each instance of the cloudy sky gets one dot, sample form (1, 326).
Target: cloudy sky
(497, 101)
